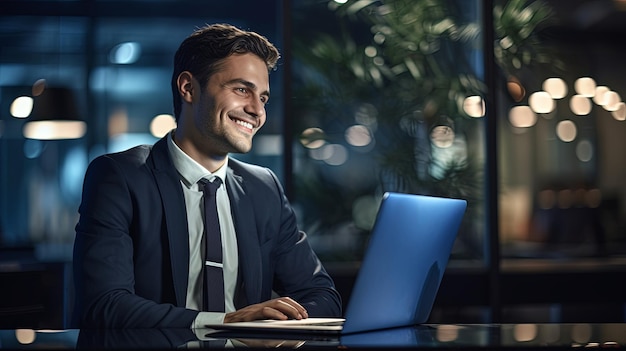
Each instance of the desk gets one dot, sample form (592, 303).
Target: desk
(430, 336)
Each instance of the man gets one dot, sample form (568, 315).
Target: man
(138, 252)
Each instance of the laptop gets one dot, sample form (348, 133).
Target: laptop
(400, 274)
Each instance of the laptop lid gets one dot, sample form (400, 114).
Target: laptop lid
(406, 257)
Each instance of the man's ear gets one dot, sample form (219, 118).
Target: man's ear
(185, 86)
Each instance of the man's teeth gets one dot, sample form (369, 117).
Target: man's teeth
(243, 123)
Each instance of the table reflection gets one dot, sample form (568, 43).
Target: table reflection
(484, 336)
(90, 339)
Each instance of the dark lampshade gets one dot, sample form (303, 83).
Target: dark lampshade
(55, 116)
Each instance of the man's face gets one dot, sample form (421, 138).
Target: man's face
(231, 108)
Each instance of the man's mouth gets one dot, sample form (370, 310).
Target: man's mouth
(244, 124)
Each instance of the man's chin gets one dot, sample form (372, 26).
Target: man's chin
(241, 148)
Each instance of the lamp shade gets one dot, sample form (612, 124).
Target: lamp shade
(55, 116)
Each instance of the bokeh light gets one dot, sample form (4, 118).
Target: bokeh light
(442, 136)
(522, 117)
(125, 53)
(162, 124)
(566, 131)
(584, 150)
(580, 105)
(556, 87)
(612, 100)
(541, 102)
(620, 113)
(358, 135)
(599, 97)
(474, 106)
(585, 86)
(313, 138)
(21, 107)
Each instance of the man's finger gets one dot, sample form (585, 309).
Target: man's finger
(290, 308)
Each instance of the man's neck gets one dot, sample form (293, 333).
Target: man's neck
(211, 162)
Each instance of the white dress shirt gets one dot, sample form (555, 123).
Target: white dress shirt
(190, 173)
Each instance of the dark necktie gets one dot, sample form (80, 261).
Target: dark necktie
(213, 295)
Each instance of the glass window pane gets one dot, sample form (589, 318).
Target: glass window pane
(561, 127)
(118, 66)
(388, 96)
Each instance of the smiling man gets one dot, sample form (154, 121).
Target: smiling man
(143, 253)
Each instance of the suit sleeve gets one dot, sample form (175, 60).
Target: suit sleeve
(103, 257)
(299, 272)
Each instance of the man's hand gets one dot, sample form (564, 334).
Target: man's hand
(280, 308)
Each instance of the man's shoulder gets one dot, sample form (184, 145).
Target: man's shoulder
(245, 168)
(252, 173)
(134, 155)
(140, 158)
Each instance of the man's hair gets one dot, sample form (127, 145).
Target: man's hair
(205, 50)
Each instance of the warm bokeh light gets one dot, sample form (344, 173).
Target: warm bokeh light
(599, 97)
(370, 51)
(541, 102)
(516, 89)
(162, 124)
(556, 87)
(585, 86)
(506, 42)
(612, 100)
(566, 131)
(52, 130)
(447, 332)
(25, 336)
(442, 136)
(580, 105)
(474, 106)
(118, 122)
(358, 135)
(313, 138)
(38, 87)
(524, 332)
(21, 107)
(522, 117)
(620, 113)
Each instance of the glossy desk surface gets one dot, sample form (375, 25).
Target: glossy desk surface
(429, 336)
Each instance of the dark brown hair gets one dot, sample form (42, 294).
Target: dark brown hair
(205, 49)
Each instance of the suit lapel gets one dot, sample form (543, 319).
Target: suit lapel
(175, 218)
(247, 238)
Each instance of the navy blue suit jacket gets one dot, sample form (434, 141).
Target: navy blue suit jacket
(131, 252)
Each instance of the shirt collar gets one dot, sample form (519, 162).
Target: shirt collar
(189, 170)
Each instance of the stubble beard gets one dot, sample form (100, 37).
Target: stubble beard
(237, 143)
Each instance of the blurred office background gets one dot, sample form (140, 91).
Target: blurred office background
(516, 106)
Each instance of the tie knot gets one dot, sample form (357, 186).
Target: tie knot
(211, 186)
